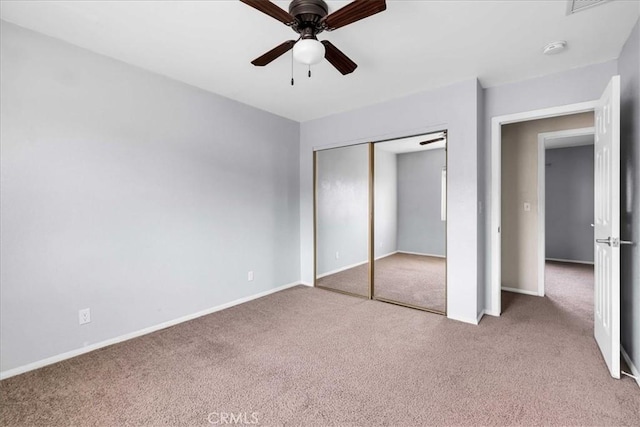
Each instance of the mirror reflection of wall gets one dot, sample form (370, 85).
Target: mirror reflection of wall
(342, 219)
(410, 222)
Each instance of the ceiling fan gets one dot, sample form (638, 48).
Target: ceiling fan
(309, 18)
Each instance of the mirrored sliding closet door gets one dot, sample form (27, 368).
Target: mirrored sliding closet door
(410, 222)
(342, 204)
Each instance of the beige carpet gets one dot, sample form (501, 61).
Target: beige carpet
(354, 280)
(410, 279)
(307, 356)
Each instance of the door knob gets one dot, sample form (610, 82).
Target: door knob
(607, 241)
(614, 241)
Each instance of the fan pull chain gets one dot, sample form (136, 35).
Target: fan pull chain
(292, 81)
(309, 71)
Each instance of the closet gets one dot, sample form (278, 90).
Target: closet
(380, 220)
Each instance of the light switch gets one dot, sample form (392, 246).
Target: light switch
(527, 206)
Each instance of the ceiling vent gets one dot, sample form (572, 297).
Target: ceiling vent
(575, 6)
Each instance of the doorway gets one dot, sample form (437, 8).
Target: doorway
(606, 310)
(523, 200)
(548, 215)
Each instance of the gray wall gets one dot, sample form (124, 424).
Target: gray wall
(454, 108)
(420, 227)
(629, 67)
(140, 197)
(342, 207)
(569, 203)
(569, 87)
(386, 203)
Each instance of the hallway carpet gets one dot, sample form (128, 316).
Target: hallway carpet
(307, 356)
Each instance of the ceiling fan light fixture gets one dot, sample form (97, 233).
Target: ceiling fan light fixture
(309, 18)
(308, 51)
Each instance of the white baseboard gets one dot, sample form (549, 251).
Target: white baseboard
(634, 370)
(492, 313)
(422, 254)
(77, 352)
(521, 291)
(472, 321)
(480, 316)
(329, 273)
(573, 261)
(307, 284)
(386, 255)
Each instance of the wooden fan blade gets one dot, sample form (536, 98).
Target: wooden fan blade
(338, 59)
(273, 53)
(354, 11)
(265, 6)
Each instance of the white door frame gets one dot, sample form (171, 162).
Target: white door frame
(546, 141)
(496, 191)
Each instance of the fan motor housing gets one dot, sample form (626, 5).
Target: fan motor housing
(309, 14)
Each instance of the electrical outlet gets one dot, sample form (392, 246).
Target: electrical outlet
(337, 255)
(250, 276)
(84, 316)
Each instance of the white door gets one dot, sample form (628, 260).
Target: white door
(607, 226)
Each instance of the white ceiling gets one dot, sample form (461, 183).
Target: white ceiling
(411, 47)
(412, 143)
(569, 141)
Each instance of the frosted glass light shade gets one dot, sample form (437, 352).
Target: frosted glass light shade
(308, 51)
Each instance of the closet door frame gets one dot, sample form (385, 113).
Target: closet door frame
(372, 228)
(315, 224)
(371, 243)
